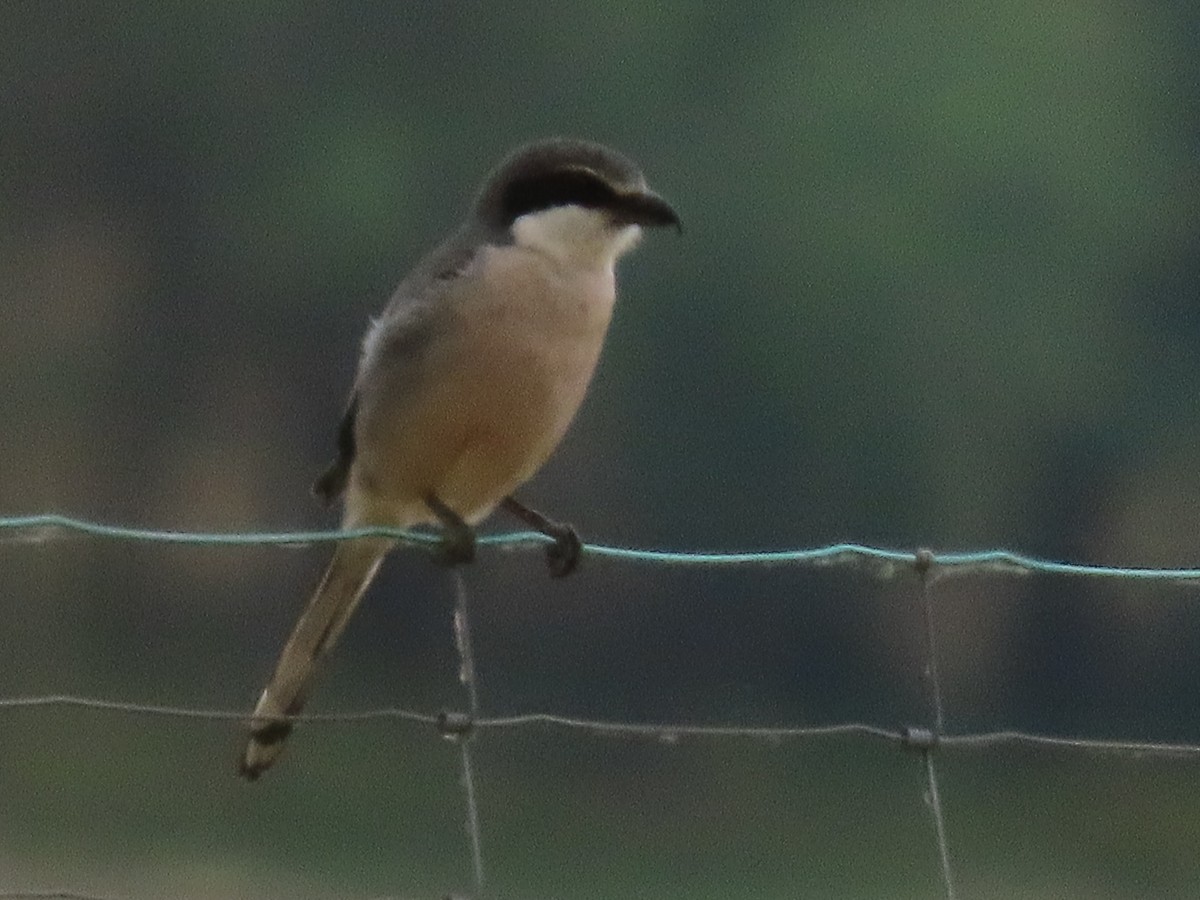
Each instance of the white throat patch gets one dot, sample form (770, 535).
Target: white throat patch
(575, 235)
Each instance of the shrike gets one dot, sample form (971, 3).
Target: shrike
(467, 382)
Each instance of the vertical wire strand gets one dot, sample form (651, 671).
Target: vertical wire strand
(939, 824)
(473, 829)
(933, 691)
(933, 679)
(466, 674)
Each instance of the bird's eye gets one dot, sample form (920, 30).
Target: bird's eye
(563, 187)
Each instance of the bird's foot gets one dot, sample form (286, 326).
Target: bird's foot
(562, 557)
(457, 546)
(455, 549)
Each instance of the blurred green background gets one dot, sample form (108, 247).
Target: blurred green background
(939, 285)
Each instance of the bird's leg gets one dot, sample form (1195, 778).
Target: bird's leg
(458, 538)
(563, 555)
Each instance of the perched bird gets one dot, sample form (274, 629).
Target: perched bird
(467, 382)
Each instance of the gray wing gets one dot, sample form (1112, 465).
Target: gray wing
(332, 482)
(398, 340)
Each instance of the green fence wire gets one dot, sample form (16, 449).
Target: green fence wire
(38, 527)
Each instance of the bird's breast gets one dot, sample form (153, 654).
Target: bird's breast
(535, 331)
(496, 389)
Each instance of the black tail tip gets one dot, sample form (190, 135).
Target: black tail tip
(263, 748)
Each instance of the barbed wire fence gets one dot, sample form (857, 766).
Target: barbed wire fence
(925, 739)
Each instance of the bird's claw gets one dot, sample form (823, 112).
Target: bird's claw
(454, 549)
(562, 557)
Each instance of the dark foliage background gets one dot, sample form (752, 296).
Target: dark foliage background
(938, 286)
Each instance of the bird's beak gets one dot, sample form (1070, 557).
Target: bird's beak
(646, 208)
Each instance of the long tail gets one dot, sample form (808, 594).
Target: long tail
(353, 566)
